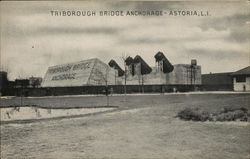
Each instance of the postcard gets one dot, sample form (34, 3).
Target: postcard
(125, 79)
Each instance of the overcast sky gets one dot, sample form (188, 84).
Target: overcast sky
(32, 39)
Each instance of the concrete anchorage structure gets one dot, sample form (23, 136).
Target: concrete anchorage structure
(83, 73)
(164, 73)
(94, 72)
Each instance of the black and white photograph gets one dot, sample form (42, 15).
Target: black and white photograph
(125, 79)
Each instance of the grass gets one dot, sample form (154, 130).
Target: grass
(142, 127)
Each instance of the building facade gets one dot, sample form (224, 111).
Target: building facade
(217, 82)
(241, 79)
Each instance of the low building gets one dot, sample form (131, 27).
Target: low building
(217, 82)
(22, 83)
(241, 79)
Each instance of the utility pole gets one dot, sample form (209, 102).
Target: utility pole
(107, 89)
(21, 104)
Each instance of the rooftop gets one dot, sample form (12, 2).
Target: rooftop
(244, 71)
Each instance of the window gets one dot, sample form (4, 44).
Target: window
(240, 79)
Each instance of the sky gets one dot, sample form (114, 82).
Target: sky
(32, 39)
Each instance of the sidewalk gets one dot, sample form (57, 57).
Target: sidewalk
(135, 94)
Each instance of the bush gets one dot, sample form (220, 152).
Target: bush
(193, 114)
(227, 114)
(230, 109)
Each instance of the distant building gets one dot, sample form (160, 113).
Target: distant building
(227, 81)
(22, 83)
(241, 79)
(35, 82)
(217, 82)
(3, 82)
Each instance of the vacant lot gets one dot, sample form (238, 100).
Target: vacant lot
(143, 126)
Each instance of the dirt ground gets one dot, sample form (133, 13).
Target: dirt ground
(143, 126)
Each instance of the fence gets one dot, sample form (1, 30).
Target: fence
(117, 89)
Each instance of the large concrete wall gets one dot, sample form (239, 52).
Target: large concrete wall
(184, 74)
(102, 73)
(181, 75)
(72, 74)
(87, 72)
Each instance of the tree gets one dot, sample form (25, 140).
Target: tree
(105, 79)
(106, 86)
(123, 58)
